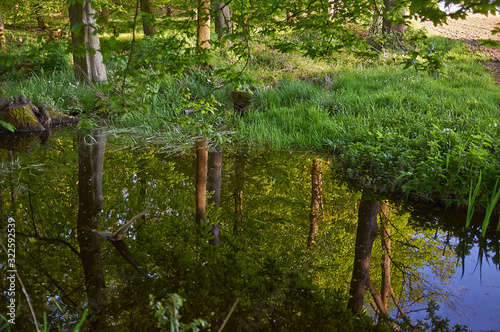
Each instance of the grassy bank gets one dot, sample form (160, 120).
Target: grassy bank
(390, 128)
(402, 128)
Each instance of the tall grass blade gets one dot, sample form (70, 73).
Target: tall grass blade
(82, 320)
(472, 199)
(489, 209)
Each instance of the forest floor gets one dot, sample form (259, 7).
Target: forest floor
(470, 30)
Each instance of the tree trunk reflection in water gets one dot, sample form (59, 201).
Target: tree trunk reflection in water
(201, 181)
(385, 234)
(214, 187)
(365, 236)
(239, 174)
(90, 169)
(316, 200)
(143, 183)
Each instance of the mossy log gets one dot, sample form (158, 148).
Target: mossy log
(21, 117)
(26, 117)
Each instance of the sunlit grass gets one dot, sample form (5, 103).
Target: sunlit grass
(419, 132)
(415, 132)
(58, 90)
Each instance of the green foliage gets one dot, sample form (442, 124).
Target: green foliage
(23, 12)
(392, 128)
(33, 57)
(57, 90)
(169, 315)
(431, 62)
(7, 126)
(405, 129)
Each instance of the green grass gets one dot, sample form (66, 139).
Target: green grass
(399, 129)
(393, 128)
(57, 89)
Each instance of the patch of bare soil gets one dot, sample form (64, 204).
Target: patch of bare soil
(475, 27)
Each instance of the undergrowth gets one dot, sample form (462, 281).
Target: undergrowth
(391, 128)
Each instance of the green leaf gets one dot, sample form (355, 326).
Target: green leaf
(77, 28)
(417, 5)
(489, 43)
(7, 126)
(489, 209)
(472, 198)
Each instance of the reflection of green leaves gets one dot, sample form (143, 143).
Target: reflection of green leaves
(45, 327)
(262, 222)
(168, 314)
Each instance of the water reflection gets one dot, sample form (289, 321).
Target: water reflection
(295, 246)
(90, 197)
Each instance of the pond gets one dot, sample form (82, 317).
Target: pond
(251, 240)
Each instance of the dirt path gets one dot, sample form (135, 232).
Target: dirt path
(475, 27)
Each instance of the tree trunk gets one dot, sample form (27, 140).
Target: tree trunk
(214, 187)
(3, 40)
(41, 22)
(87, 57)
(222, 18)
(90, 168)
(39, 17)
(365, 236)
(104, 14)
(201, 181)
(387, 21)
(316, 200)
(401, 28)
(147, 23)
(203, 36)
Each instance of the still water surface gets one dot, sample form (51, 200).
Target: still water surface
(252, 244)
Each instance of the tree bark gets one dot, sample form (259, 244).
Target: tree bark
(214, 188)
(316, 200)
(3, 40)
(203, 35)
(90, 168)
(147, 24)
(104, 14)
(222, 18)
(87, 57)
(365, 236)
(39, 17)
(387, 21)
(201, 181)
(41, 22)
